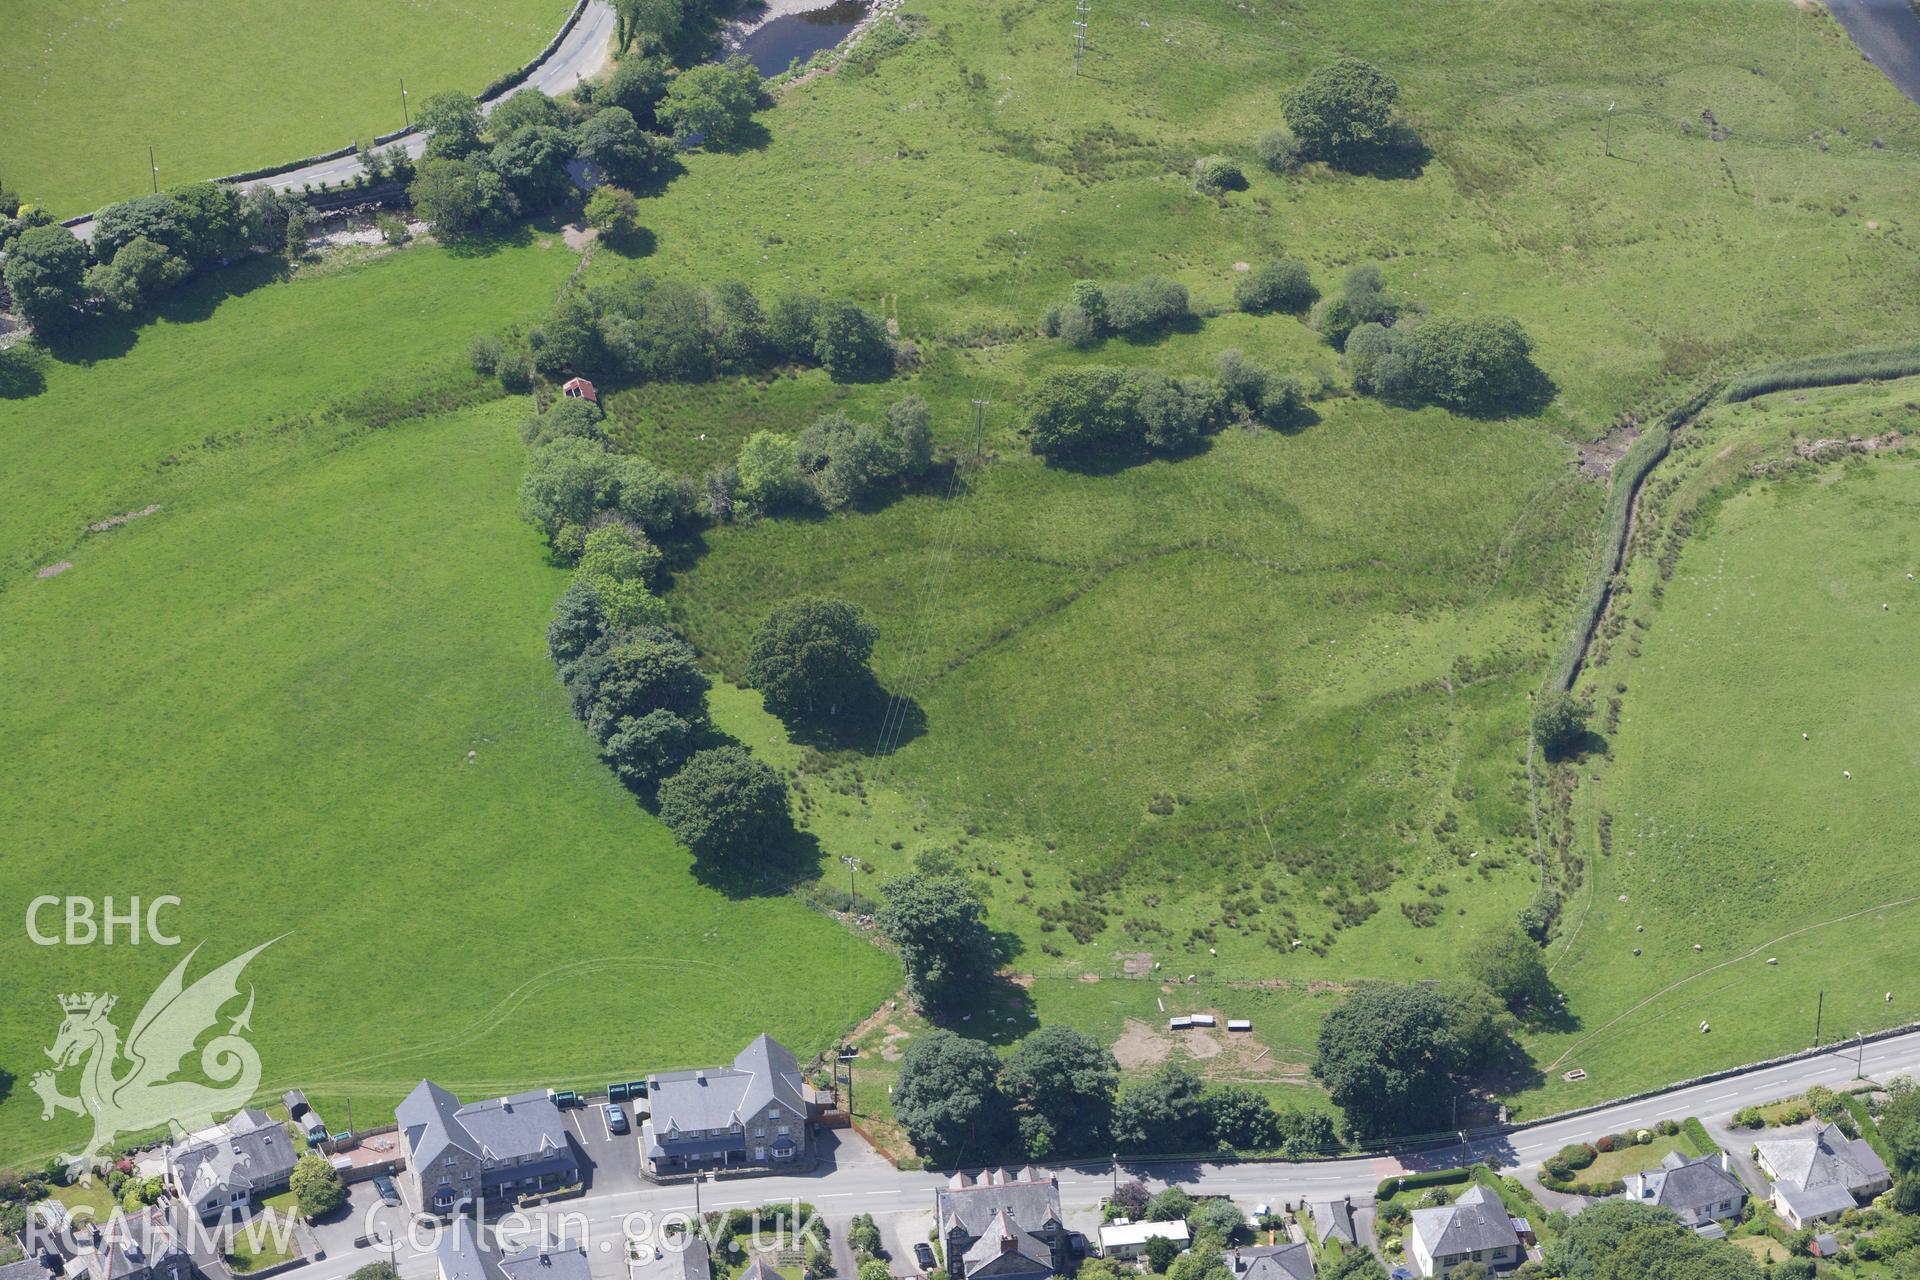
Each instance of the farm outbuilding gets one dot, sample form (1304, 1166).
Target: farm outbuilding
(579, 389)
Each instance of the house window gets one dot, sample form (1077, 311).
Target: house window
(773, 1113)
(783, 1131)
(760, 1132)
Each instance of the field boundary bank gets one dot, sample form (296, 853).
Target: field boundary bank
(499, 87)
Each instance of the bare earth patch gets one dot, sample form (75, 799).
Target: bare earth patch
(54, 570)
(1140, 1046)
(114, 522)
(578, 236)
(1598, 458)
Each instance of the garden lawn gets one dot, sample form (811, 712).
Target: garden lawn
(222, 86)
(258, 1244)
(1730, 830)
(1638, 1158)
(318, 709)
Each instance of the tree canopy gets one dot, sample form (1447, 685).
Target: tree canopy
(1063, 1080)
(1559, 722)
(1163, 1112)
(1341, 111)
(725, 805)
(1511, 966)
(316, 1186)
(1386, 1054)
(939, 925)
(712, 103)
(947, 1097)
(45, 269)
(812, 655)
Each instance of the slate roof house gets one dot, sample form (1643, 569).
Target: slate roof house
(496, 1149)
(1820, 1175)
(1474, 1228)
(1333, 1220)
(689, 1263)
(1273, 1262)
(222, 1172)
(464, 1253)
(752, 1114)
(1001, 1225)
(1702, 1191)
(138, 1246)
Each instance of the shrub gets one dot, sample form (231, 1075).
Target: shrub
(614, 212)
(1667, 1128)
(515, 371)
(1559, 723)
(1603, 1144)
(1472, 363)
(316, 1186)
(1216, 175)
(484, 353)
(1275, 286)
(1577, 1155)
(1278, 151)
(1148, 304)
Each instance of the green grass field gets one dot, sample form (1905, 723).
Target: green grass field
(1198, 710)
(264, 704)
(1728, 829)
(223, 86)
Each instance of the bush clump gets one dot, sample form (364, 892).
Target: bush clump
(1285, 285)
(1217, 175)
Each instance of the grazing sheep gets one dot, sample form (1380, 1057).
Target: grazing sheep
(1847, 774)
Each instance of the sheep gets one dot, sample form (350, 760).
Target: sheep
(1847, 774)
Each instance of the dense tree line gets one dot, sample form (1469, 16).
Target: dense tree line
(141, 248)
(1103, 411)
(645, 328)
(1058, 1094)
(630, 678)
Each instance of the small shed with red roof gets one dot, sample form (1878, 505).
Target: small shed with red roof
(580, 389)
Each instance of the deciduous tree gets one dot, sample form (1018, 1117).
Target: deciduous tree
(939, 926)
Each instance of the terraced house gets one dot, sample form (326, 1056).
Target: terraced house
(753, 1114)
(495, 1150)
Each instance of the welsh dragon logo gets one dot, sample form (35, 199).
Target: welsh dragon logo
(147, 1094)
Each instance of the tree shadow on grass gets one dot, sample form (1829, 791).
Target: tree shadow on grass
(20, 374)
(517, 236)
(873, 722)
(1000, 1011)
(1589, 743)
(792, 857)
(640, 243)
(1403, 156)
(1529, 398)
(108, 337)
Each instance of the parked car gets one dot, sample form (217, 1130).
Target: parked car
(616, 1119)
(383, 1186)
(923, 1254)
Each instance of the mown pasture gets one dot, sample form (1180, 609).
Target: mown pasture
(223, 86)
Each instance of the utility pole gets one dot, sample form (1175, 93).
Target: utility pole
(979, 426)
(1609, 143)
(1116, 1173)
(153, 171)
(1079, 34)
(1860, 1055)
(1818, 1007)
(406, 117)
(847, 1057)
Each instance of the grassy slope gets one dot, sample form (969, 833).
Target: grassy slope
(1729, 830)
(1059, 694)
(264, 704)
(972, 179)
(220, 86)
(240, 357)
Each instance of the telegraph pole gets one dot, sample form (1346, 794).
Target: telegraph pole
(406, 117)
(979, 426)
(1818, 1007)
(153, 171)
(1079, 34)
(1860, 1055)
(1609, 143)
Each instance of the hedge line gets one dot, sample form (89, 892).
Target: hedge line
(1414, 1181)
(1697, 1134)
(1869, 1128)
(1827, 371)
